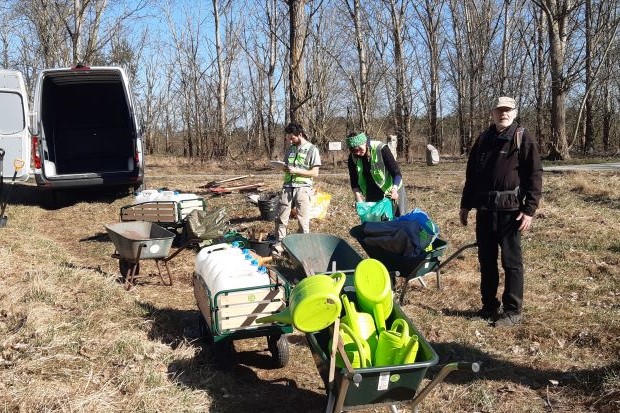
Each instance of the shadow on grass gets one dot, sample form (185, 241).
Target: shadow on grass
(236, 387)
(229, 378)
(31, 195)
(585, 381)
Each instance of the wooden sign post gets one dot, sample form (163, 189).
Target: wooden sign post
(333, 148)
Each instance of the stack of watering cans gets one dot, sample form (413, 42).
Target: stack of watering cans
(367, 340)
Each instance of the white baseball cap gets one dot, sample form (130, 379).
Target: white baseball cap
(505, 102)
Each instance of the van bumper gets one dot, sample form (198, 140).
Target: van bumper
(88, 181)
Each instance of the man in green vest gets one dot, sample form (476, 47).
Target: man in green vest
(301, 166)
(374, 173)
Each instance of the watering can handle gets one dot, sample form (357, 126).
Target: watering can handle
(340, 278)
(349, 309)
(399, 322)
(358, 343)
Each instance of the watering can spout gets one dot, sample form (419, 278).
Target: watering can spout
(284, 317)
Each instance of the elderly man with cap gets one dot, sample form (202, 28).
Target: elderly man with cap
(374, 173)
(503, 182)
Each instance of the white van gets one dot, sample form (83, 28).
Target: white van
(14, 134)
(85, 130)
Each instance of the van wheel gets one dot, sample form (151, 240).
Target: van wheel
(137, 188)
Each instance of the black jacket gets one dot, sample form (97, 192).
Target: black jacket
(501, 177)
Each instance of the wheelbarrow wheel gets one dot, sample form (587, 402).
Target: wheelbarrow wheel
(278, 346)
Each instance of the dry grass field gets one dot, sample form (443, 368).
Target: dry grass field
(73, 340)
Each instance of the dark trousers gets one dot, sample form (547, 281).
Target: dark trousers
(495, 232)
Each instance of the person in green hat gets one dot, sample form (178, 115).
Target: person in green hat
(374, 173)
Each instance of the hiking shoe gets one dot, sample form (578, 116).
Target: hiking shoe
(508, 320)
(489, 314)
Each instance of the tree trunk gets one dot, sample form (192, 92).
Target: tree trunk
(298, 89)
(557, 14)
(221, 80)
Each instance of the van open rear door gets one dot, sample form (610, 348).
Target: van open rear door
(14, 119)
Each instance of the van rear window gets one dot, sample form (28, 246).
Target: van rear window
(12, 117)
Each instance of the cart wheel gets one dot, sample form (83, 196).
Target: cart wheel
(125, 268)
(222, 353)
(278, 346)
(203, 330)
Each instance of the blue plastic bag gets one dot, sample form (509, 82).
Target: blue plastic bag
(429, 231)
(375, 211)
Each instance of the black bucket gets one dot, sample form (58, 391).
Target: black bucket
(262, 248)
(268, 208)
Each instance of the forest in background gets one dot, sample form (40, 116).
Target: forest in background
(220, 78)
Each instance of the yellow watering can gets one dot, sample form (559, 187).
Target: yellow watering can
(391, 343)
(362, 324)
(314, 303)
(408, 353)
(374, 290)
(357, 350)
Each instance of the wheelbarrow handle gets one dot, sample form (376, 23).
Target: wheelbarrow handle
(445, 370)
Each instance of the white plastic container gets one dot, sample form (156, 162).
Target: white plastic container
(231, 280)
(229, 265)
(148, 195)
(217, 255)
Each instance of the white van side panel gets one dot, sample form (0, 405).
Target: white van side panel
(14, 122)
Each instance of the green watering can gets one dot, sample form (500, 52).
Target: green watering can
(374, 290)
(362, 324)
(314, 303)
(358, 351)
(391, 343)
(408, 353)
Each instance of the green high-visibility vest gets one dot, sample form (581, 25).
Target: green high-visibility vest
(297, 156)
(378, 171)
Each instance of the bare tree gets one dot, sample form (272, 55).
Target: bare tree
(298, 88)
(604, 16)
(429, 15)
(557, 14)
(361, 91)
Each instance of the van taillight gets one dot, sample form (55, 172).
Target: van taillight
(36, 159)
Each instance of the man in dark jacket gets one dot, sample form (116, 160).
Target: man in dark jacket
(503, 182)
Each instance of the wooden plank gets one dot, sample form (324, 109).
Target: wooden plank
(250, 296)
(253, 308)
(240, 322)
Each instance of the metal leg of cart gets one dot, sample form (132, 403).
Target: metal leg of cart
(458, 252)
(165, 262)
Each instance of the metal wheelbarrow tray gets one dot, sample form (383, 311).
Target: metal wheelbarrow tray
(231, 314)
(139, 240)
(410, 267)
(362, 388)
(372, 386)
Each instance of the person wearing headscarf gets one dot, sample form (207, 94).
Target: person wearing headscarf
(374, 173)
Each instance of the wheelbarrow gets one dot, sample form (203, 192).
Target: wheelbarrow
(140, 240)
(230, 314)
(349, 388)
(410, 268)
